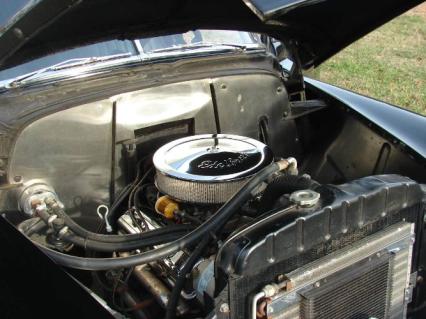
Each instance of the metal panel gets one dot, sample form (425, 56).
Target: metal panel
(165, 104)
(159, 105)
(241, 107)
(70, 150)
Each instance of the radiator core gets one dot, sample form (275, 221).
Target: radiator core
(368, 279)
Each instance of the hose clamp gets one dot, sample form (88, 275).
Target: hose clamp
(62, 232)
(51, 219)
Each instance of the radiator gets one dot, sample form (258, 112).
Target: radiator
(367, 279)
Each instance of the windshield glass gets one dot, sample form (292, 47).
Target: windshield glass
(143, 46)
(210, 37)
(94, 50)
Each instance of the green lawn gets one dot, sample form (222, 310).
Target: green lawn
(388, 64)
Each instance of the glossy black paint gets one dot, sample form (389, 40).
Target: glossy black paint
(254, 255)
(36, 287)
(343, 208)
(320, 28)
(21, 282)
(407, 127)
(33, 286)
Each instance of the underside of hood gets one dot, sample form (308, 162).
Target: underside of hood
(318, 28)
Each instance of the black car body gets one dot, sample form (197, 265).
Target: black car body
(274, 195)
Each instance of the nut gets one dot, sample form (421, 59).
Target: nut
(270, 290)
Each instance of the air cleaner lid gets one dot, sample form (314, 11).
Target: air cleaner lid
(212, 157)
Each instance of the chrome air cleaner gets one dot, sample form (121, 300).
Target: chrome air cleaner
(208, 169)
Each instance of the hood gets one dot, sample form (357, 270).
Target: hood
(318, 28)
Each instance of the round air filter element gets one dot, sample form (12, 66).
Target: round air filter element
(208, 169)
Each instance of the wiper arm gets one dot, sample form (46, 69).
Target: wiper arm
(65, 65)
(199, 45)
(83, 61)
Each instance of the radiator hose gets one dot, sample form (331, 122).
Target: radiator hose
(210, 226)
(182, 277)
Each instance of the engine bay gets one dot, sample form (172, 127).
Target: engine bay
(209, 214)
(171, 220)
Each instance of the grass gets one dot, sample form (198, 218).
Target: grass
(388, 64)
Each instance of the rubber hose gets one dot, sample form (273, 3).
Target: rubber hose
(125, 246)
(35, 227)
(111, 218)
(114, 214)
(216, 220)
(136, 199)
(156, 238)
(84, 233)
(283, 184)
(181, 278)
